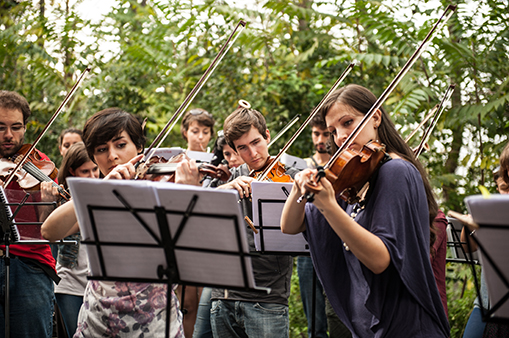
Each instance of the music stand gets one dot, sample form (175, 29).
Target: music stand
(9, 235)
(182, 234)
(268, 202)
(492, 237)
(456, 249)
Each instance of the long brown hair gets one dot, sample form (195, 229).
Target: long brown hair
(362, 100)
(75, 157)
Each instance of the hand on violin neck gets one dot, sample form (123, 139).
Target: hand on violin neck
(187, 173)
(49, 193)
(124, 171)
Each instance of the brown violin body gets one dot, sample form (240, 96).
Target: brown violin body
(276, 174)
(24, 179)
(351, 170)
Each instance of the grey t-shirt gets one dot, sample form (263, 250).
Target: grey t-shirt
(272, 271)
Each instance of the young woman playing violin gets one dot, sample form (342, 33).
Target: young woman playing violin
(113, 139)
(372, 257)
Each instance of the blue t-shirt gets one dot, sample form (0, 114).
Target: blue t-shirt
(403, 301)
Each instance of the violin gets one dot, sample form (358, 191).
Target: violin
(349, 170)
(161, 170)
(34, 171)
(277, 172)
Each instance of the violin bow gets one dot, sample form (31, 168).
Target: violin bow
(48, 125)
(381, 99)
(284, 130)
(315, 111)
(187, 101)
(440, 110)
(430, 114)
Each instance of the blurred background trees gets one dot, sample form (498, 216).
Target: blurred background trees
(146, 56)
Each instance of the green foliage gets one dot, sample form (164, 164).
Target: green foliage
(460, 295)
(298, 321)
(146, 56)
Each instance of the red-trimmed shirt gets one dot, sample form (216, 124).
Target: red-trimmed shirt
(28, 213)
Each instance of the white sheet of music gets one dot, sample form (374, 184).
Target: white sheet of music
(493, 211)
(272, 198)
(207, 250)
(216, 221)
(117, 226)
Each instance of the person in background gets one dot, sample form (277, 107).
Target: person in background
(72, 262)
(476, 327)
(202, 327)
(67, 138)
(197, 128)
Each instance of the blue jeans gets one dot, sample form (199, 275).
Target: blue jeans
(31, 300)
(305, 272)
(475, 325)
(238, 319)
(202, 327)
(69, 306)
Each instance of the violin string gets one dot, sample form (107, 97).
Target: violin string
(33, 170)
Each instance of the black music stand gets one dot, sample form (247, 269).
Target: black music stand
(9, 235)
(268, 201)
(492, 237)
(182, 234)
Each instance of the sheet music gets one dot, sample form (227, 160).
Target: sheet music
(13, 227)
(166, 153)
(207, 250)
(493, 211)
(265, 194)
(204, 231)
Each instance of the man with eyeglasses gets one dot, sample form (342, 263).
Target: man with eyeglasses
(31, 266)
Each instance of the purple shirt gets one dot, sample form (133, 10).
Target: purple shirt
(403, 301)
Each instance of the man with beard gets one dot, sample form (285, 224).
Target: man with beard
(31, 266)
(320, 136)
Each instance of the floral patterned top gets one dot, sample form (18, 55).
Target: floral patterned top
(121, 310)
